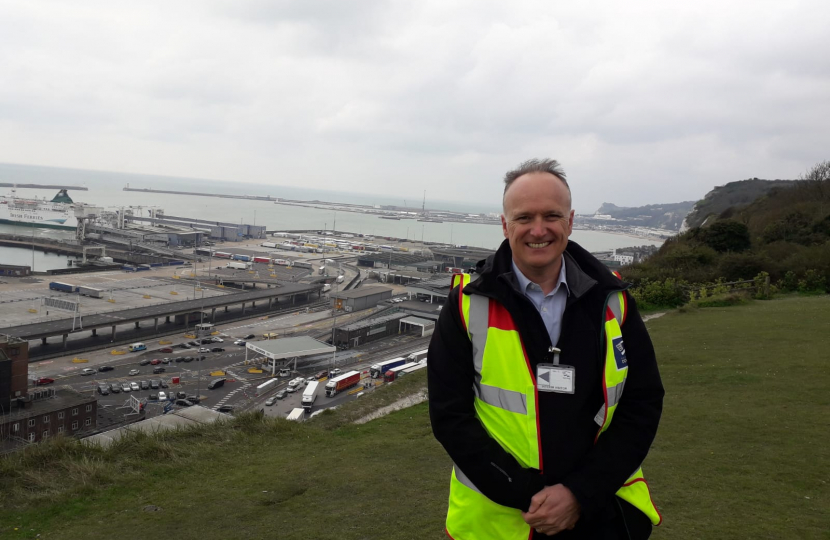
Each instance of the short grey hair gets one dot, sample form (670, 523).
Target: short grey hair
(536, 165)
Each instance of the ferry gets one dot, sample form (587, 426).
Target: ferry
(59, 213)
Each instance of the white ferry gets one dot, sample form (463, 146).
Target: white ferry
(59, 213)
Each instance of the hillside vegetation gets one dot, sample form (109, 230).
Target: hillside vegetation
(734, 195)
(741, 453)
(783, 234)
(656, 216)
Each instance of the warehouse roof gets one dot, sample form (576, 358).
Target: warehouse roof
(393, 257)
(439, 285)
(372, 322)
(361, 292)
(417, 321)
(279, 349)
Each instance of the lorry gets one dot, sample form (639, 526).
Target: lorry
(342, 382)
(63, 287)
(91, 292)
(135, 347)
(412, 369)
(243, 258)
(395, 372)
(309, 395)
(238, 265)
(266, 260)
(222, 255)
(268, 244)
(293, 384)
(417, 356)
(296, 415)
(377, 370)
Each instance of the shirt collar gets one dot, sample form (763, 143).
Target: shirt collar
(525, 283)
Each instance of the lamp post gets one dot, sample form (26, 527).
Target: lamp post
(333, 327)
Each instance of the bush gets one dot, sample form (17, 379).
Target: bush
(723, 236)
(738, 266)
(814, 282)
(669, 293)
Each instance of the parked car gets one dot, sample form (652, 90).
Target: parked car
(291, 389)
(218, 340)
(126, 387)
(144, 362)
(154, 396)
(270, 401)
(179, 359)
(184, 346)
(134, 386)
(321, 374)
(115, 389)
(44, 380)
(187, 359)
(154, 384)
(162, 396)
(216, 383)
(183, 403)
(104, 389)
(180, 395)
(249, 336)
(145, 385)
(87, 371)
(204, 350)
(240, 342)
(157, 370)
(134, 372)
(166, 350)
(270, 335)
(200, 358)
(105, 368)
(280, 394)
(193, 343)
(334, 372)
(217, 349)
(155, 361)
(226, 409)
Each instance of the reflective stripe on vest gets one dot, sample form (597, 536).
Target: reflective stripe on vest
(506, 404)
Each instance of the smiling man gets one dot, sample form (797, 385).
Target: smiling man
(543, 383)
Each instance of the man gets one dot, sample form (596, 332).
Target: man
(543, 383)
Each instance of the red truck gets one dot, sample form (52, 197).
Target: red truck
(342, 382)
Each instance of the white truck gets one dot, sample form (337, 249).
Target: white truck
(340, 279)
(294, 384)
(238, 265)
(309, 395)
(296, 415)
(417, 356)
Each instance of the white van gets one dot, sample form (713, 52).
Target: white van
(138, 347)
(284, 372)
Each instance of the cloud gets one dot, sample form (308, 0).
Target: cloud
(642, 102)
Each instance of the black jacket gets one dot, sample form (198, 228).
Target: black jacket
(593, 472)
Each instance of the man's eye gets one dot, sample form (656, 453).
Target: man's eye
(523, 219)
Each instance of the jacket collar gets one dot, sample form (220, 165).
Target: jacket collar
(583, 272)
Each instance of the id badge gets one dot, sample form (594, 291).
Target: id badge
(555, 378)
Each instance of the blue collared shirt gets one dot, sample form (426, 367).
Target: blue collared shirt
(550, 306)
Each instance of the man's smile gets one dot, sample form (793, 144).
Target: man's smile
(538, 245)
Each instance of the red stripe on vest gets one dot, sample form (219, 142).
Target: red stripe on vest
(500, 318)
(609, 314)
(625, 307)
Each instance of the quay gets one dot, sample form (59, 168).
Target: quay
(43, 186)
(201, 194)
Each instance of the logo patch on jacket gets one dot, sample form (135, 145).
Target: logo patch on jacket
(619, 353)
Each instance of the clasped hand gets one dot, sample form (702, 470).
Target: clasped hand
(552, 510)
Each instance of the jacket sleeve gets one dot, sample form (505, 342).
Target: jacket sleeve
(621, 450)
(450, 371)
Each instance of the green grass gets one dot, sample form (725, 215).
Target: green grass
(742, 453)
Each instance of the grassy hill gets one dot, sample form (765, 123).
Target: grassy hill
(741, 453)
(733, 195)
(668, 216)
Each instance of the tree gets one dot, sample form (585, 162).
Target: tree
(725, 236)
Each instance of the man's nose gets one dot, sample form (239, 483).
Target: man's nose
(538, 226)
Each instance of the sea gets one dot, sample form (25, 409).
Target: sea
(106, 189)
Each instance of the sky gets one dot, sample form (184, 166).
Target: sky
(641, 102)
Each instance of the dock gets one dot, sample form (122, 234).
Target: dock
(199, 194)
(43, 186)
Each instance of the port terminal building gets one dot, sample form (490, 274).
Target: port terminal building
(366, 331)
(362, 298)
(283, 351)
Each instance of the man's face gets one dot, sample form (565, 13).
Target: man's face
(537, 221)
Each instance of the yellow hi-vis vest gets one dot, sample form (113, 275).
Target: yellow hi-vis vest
(506, 403)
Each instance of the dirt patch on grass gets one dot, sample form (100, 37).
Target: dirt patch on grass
(403, 403)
